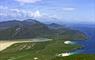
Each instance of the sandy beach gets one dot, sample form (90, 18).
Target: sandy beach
(5, 44)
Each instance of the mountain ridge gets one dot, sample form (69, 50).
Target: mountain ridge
(31, 28)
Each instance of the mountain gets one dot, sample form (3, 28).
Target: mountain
(22, 29)
(31, 28)
(55, 26)
(8, 24)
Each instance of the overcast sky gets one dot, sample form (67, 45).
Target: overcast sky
(63, 10)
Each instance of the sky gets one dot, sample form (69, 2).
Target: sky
(63, 10)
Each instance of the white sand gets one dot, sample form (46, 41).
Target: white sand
(5, 44)
(65, 54)
(68, 42)
(35, 58)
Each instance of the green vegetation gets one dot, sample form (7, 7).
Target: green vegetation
(77, 57)
(47, 50)
(41, 50)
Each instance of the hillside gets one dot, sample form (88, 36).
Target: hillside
(42, 50)
(31, 28)
(48, 50)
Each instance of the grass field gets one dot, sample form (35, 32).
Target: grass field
(41, 51)
(77, 57)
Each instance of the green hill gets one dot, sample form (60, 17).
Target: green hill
(43, 51)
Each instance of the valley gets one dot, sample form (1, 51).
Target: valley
(33, 40)
(42, 50)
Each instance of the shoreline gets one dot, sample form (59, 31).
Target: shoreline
(6, 44)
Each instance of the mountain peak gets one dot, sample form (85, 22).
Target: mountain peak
(55, 26)
(32, 21)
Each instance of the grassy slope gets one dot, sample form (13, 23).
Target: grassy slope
(77, 57)
(41, 50)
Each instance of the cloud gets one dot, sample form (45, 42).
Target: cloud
(3, 7)
(37, 14)
(68, 9)
(15, 12)
(28, 1)
(6, 11)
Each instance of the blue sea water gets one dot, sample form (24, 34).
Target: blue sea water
(89, 44)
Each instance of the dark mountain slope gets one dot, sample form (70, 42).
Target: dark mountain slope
(31, 28)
